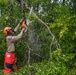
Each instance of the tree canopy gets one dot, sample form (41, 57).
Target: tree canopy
(49, 45)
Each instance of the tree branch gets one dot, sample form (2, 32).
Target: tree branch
(51, 33)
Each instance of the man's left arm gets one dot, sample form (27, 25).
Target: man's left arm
(17, 27)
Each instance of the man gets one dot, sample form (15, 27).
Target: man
(10, 62)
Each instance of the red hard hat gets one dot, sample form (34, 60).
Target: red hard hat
(6, 29)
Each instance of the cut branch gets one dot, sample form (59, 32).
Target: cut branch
(54, 40)
(51, 33)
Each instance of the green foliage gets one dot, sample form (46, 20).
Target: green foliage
(3, 2)
(61, 19)
(56, 67)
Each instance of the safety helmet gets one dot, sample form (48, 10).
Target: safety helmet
(6, 30)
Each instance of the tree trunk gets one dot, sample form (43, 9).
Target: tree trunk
(11, 7)
(63, 2)
(22, 6)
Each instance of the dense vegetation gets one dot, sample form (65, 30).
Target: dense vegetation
(60, 17)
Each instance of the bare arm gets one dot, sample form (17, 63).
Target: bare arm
(17, 27)
(14, 38)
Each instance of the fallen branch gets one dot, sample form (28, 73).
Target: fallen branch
(54, 40)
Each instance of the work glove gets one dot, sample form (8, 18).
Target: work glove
(24, 24)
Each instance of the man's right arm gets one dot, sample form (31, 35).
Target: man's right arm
(14, 38)
(17, 27)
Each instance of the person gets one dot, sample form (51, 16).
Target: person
(10, 60)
